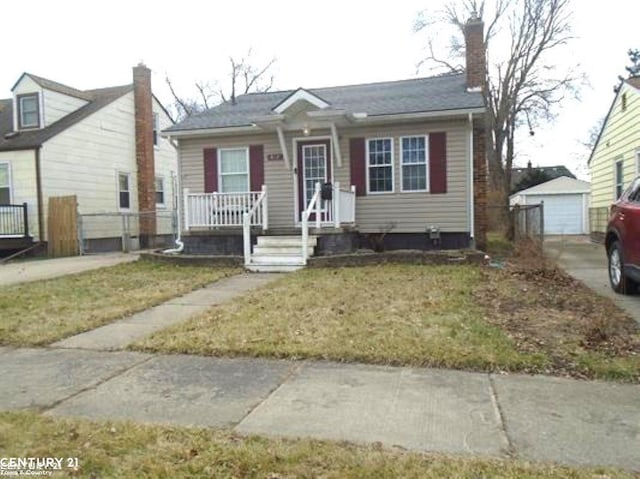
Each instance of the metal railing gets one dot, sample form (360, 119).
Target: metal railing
(14, 221)
(314, 205)
(210, 210)
(257, 215)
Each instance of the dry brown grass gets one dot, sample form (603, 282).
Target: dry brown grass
(127, 450)
(42, 312)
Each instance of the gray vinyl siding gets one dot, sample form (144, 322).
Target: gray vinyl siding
(406, 212)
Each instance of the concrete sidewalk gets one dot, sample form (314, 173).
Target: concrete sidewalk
(120, 334)
(529, 417)
(37, 269)
(587, 262)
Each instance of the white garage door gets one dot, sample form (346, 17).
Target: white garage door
(563, 214)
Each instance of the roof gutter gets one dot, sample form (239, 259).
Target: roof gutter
(356, 119)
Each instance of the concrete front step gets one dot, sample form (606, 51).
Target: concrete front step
(273, 268)
(291, 259)
(285, 241)
(281, 250)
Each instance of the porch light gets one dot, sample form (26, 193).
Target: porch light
(306, 131)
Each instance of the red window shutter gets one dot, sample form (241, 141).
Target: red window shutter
(210, 169)
(438, 163)
(358, 163)
(256, 167)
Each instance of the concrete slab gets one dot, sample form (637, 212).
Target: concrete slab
(181, 390)
(427, 410)
(120, 334)
(570, 421)
(34, 270)
(40, 377)
(587, 262)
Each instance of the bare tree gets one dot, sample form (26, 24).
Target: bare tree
(245, 76)
(524, 83)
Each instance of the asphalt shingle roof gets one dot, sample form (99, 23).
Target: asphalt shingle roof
(27, 139)
(440, 93)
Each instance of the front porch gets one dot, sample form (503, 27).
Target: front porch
(14, 227)
(232, 223)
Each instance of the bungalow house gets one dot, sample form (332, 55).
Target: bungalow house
(278, 176)
(615, 159)
(100, 145)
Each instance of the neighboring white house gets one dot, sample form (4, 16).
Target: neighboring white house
(101, 145)
(566, 204)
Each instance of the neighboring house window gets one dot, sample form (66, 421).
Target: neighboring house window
(638, 162)
(155, 129)
(234, 170)
(413, 162)
(380, 165)
(28, 111)
(5, 184)
(619, 179)
(124, 190)
(159, 191)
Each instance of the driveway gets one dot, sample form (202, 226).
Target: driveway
(33, 270)
(587, 262)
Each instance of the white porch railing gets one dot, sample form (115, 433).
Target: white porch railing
(247, 220)
(314, 205)
(207, 210)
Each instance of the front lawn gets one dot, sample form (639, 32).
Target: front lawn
(45, 311)
(531, 320)
(128, 450)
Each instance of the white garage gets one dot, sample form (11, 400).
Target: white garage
(566, 204)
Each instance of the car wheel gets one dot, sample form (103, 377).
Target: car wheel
(616, 269)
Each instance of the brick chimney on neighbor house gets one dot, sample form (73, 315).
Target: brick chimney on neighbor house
(476, 79)
(476, 52)
(144, 153)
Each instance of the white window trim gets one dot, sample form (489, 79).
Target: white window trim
(2, 163)
(21, 124)
(426, 163)
(638, 162)
(118, 174)
(164, 191)
(393, 172)
(246, 150)
(615, 179)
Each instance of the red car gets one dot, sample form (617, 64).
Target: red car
(623, 241)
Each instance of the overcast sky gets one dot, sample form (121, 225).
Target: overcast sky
(335, 42)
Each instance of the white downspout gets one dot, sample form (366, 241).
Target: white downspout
(178, 195)
(472, 225)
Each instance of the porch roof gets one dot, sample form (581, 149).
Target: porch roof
(420, 95)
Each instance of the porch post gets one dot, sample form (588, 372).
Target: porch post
(265, 212)
(25, 220)
(318, 205)
(185, 195)
(336, 204)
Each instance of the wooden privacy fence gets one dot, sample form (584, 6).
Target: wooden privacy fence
(62, 226)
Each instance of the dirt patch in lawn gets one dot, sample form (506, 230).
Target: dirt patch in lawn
(541, 307)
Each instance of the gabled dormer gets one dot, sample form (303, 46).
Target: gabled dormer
(38, 102)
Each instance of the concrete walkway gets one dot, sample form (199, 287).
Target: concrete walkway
(120, 334)
(528, 417)
(587, 262)
(33, 270)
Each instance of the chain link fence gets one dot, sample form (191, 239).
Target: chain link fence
(121, 231)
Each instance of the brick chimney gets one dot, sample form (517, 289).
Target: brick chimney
(476, 53)
(144, 153)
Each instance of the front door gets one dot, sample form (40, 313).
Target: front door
(314, 166)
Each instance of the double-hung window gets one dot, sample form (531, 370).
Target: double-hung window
(619, 178)
(28, 111)
(380, 165)
(155, 129)
(234, 170)
(5, 184)
(124, 191)
(159, 191)
(413, 163)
